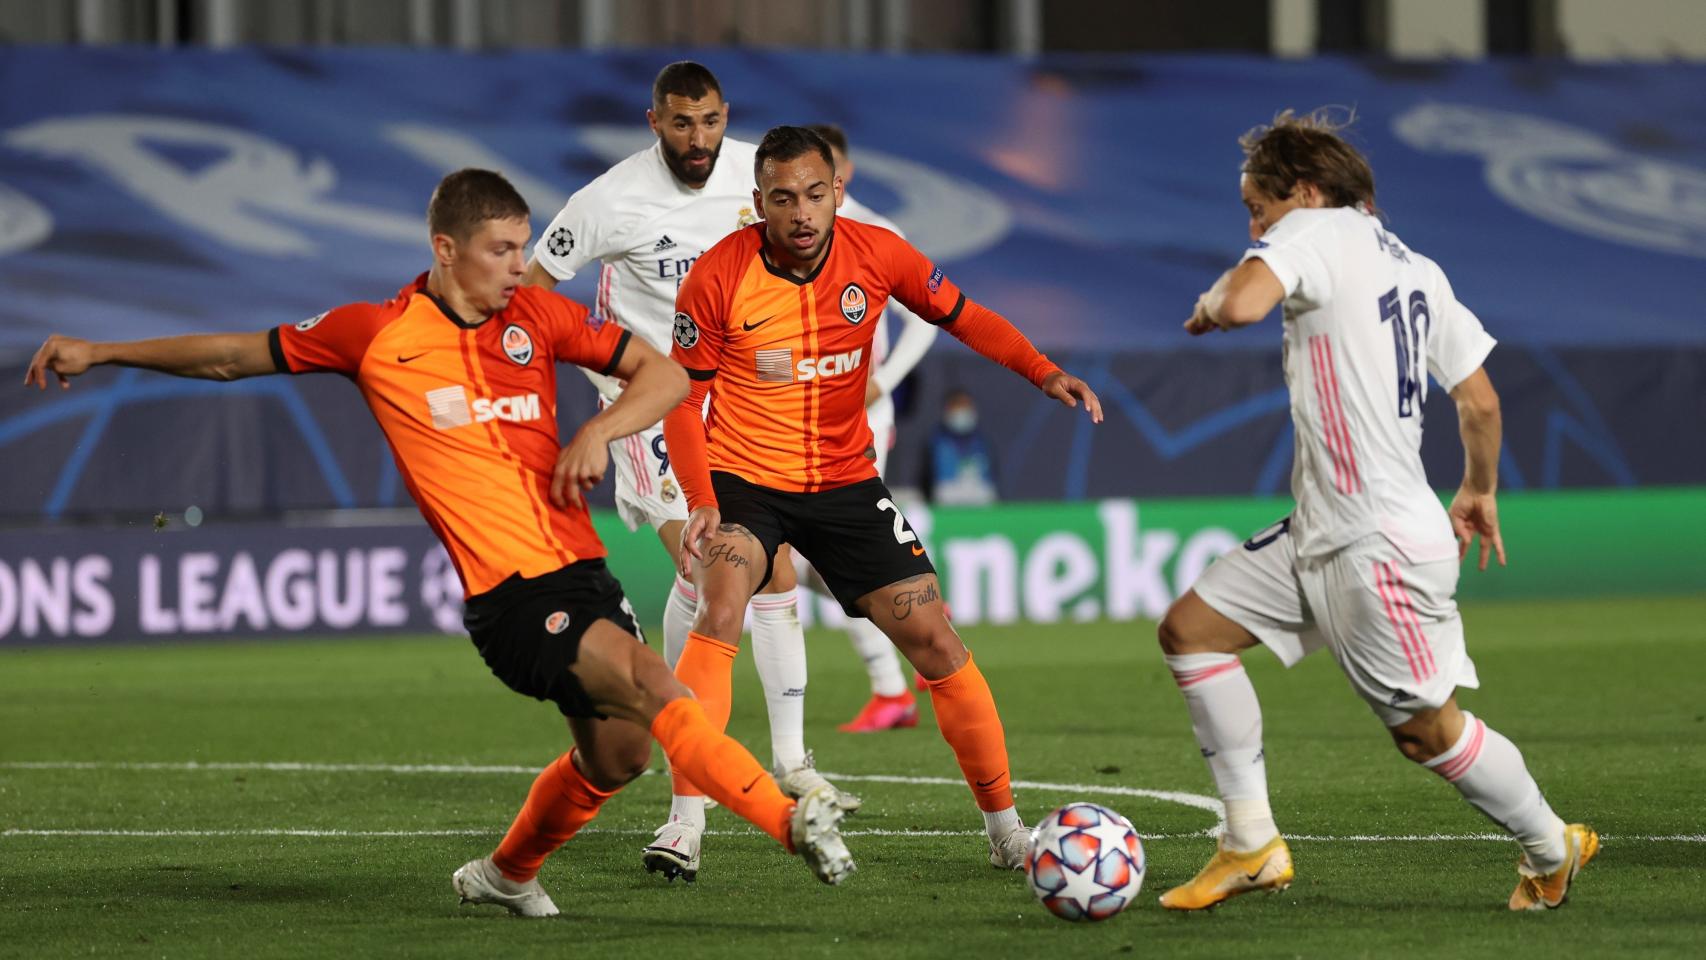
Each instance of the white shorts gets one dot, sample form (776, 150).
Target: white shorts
(1392, 625)
(646, 491)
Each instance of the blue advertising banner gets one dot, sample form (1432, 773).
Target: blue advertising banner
(147, 193)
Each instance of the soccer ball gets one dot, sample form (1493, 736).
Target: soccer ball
(1086, 862)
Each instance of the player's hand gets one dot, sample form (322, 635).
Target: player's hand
(1069, 390)
(701, 525)
(580, 466)
(65, 357)
(1475, 514)
(873, 393)
(1200, 322)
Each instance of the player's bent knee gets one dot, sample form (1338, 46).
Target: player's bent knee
(615, 768)
(720, 619)
(1175, 634)
(1192, 626)
(936, 654)
(1429, 733)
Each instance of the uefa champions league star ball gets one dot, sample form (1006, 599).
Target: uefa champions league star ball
(1086, 862)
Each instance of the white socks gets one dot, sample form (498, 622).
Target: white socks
(779, 650)
(881, 660)
(678, 614)
(1488, 770)
(1001, 822)
(1227, 720)
(691, 809)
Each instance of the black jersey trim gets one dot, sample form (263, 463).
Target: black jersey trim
(953, 314)
(450, 314)
(616, 357)
(275, 346)
(775, 271)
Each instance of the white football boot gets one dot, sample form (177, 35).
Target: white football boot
(803, 779)
(1008, 851)
(480, 881)
(816, 832)
(675, 851)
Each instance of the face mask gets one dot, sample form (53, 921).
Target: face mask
(960, 420)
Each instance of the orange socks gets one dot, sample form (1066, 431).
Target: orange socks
(560, 803)
(732, 776)
(707, 668)
(965, 712)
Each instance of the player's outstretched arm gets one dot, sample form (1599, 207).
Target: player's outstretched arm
(1474, 510)
(1242, 296)
(211, 356)
(992, 335)
(655, 385)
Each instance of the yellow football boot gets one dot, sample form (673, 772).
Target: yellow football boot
(1536, 892)
(1231, 873)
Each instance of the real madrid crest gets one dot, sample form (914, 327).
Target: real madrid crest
(518, 346)
(853, 302)
(746, 219)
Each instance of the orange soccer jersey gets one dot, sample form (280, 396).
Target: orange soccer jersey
(791, 356)
(470, 413)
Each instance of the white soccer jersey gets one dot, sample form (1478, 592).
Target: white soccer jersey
(891, 364)
(647, 228)
(1362, 313)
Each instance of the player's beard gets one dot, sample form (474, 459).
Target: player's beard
(782, 248)
(678, 163)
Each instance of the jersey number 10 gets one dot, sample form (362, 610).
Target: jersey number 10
(1408, 344)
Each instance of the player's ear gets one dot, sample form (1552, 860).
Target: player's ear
(652, 119)
(443, 249)
(758, 204)
(840, 191)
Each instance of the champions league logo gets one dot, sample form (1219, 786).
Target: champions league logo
(1570, 177)
(441, 590)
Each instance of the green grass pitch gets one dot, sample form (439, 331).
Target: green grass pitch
(1604, 697)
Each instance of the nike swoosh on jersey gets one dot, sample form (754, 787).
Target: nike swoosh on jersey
(754, 783)
(754, 326)
(403, 359)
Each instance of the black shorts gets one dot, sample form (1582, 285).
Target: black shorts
(529, 630)
(854, 536)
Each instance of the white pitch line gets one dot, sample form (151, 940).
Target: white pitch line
(1195, 800)
(619, 831)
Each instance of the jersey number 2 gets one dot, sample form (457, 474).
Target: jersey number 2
(1407, 344)
(901, 534)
